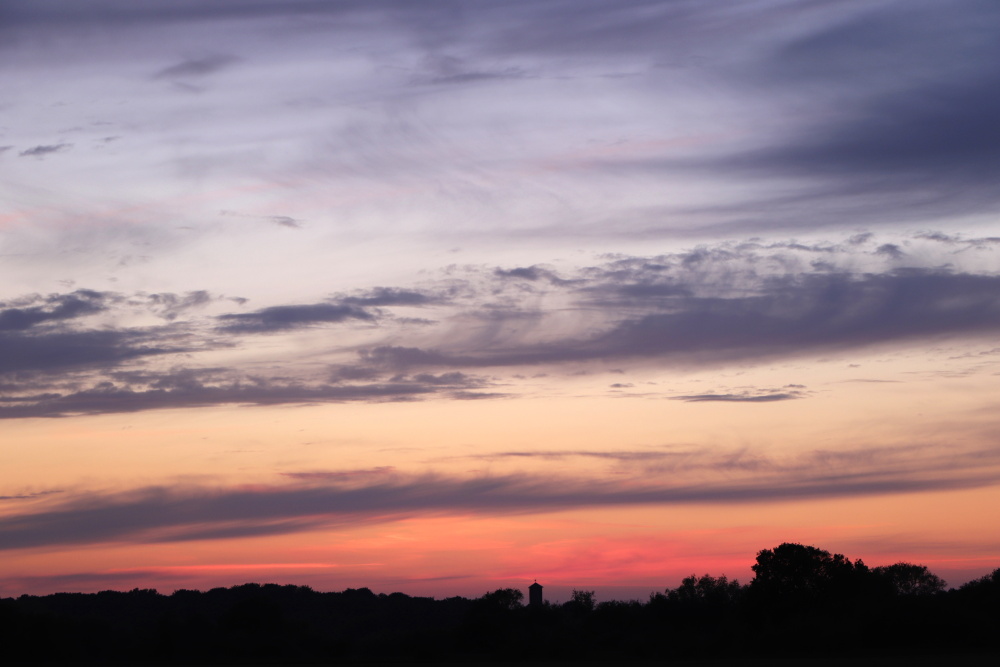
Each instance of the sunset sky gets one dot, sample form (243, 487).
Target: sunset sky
(445, 296)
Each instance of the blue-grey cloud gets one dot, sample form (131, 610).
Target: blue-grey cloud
(939, 139)
(286, 221)
(340, 475)
(281, 318)
(40, 14)
(62, 351)
(50, 336)
(43, 150)
(170, 305)
(452, 379)
(28, 312)
(29, 496)
(189, 388)
(196, 67)
(927, 143)
(445, 69)
(817, 312)
(390, 296)
(361, 306)
(531, 274)
(790, 315)
(692, 462)
(888, 109)
(739, 398)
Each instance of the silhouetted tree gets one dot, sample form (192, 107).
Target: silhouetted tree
(582, 600)
(982, 595)
(797, 575)
(706, 590)
(989, 583)
(506, 599)
(908, 579)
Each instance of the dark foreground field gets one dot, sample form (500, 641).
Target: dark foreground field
(950, 660)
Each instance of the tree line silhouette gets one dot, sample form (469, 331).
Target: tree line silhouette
(802, 601)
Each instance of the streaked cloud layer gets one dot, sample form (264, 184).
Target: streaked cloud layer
(762, 235)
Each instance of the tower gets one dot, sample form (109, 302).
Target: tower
(535, 595)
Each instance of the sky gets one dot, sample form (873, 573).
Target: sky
(446, 296)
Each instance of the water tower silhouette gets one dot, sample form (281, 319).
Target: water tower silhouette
(535, 594)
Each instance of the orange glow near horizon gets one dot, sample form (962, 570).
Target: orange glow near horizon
(467, 555)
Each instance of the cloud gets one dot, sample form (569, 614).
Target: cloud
(196, 67)
(193, 388)
(378, 471)
(785, 316)
(530, 273)
(890, 250)
(326, 500)
(286, 221)
(390, 296)
(814, 312)
(861, 121)
(445, 69)
(42, 151)
(30, 496)
(49, 13)
(596, 29)
(46, 339)
(926, 145)
(942, 130)
(170, 305)
(399, 357)
(453, 379)
(28, 312)
(282, 318)
(57, 352)
(280, 220)
(55, 361)
(739, 398)
(698, 465)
